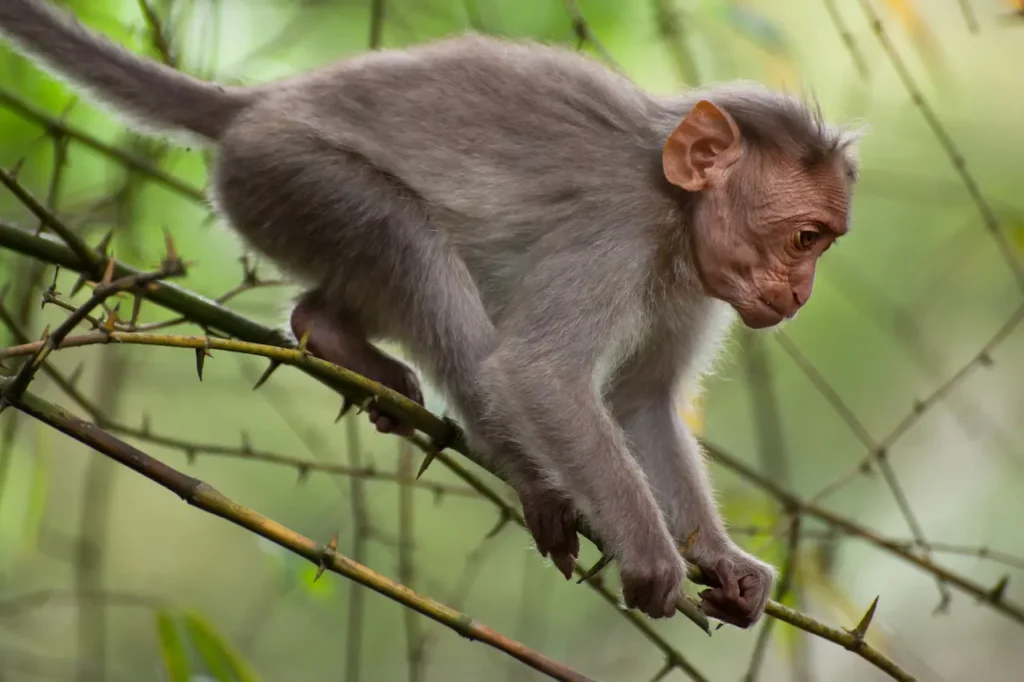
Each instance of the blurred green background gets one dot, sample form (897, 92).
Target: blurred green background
(91, 553)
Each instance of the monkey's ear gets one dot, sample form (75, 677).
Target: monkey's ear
(702, 146)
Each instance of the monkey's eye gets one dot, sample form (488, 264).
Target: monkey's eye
(805, 239)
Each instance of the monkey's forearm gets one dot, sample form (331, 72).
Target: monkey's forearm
(671, 457)
(564, 426)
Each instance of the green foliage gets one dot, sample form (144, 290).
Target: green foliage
(180, 634)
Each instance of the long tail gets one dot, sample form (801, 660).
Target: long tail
(154, 95)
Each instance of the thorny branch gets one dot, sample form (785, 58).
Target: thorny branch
(200, 495)
(360, 389)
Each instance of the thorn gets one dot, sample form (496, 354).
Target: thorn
(942, 607)
(104, 244)
(190, 456)
(111, 320)
(274, 364)
(999, 590)
(76, 374)
(145, 423)
(136, 309)
(108, 274)
(322, 566)
(426, 462)
(246, 444)
(16, 168)
(985, 360)
(596, 568)
(3, 291)
(4, 403)
(171, 253)
(881, 453)
(365, 405)
(502, 521)
(79, 284)
(862, 627)
(346, 405)
(304, 341)
(201, 355)
(438, 497)
(303, 474)
(52, 289)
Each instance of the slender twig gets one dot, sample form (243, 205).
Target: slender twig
(584, 34)
(859, 62)
(414, 642)
(992, 596)
(54, 125)
(376, 23)
(772, 450)
(782, 589)
(988, 216)
(982, 358)
(675, 35)
(360, 530)
(878, 453)
(202, 496)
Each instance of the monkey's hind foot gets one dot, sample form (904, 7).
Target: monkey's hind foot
(338, 342)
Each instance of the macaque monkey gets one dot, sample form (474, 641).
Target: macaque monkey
(560, 251)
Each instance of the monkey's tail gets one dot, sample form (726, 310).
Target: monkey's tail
(156, 96)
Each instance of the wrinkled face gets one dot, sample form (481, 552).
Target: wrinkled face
(761, 222)
(758, 236)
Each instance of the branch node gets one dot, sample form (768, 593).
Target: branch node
(325, 553)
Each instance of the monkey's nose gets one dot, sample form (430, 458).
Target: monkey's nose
(801, 292)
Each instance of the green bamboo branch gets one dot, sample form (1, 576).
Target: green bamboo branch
(202, 496)
(252, 335)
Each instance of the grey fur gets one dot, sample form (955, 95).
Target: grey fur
(496, 207)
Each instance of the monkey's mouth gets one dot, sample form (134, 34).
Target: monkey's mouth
(761, 315)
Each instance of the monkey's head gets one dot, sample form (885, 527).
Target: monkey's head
(765, 210)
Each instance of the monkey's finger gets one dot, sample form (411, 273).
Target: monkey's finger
(564, 562)
(716, 606)
(727, 577)
(667, 600)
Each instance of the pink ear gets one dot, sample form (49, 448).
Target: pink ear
(704, 144)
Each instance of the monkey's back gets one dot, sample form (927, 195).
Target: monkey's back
(499, 141)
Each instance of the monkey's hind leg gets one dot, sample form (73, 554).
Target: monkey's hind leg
(338, 338)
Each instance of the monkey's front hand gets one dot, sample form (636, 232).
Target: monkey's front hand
(652, 577)
(551, 518)
(740, 585)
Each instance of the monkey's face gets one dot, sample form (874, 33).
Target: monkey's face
(760, 232)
